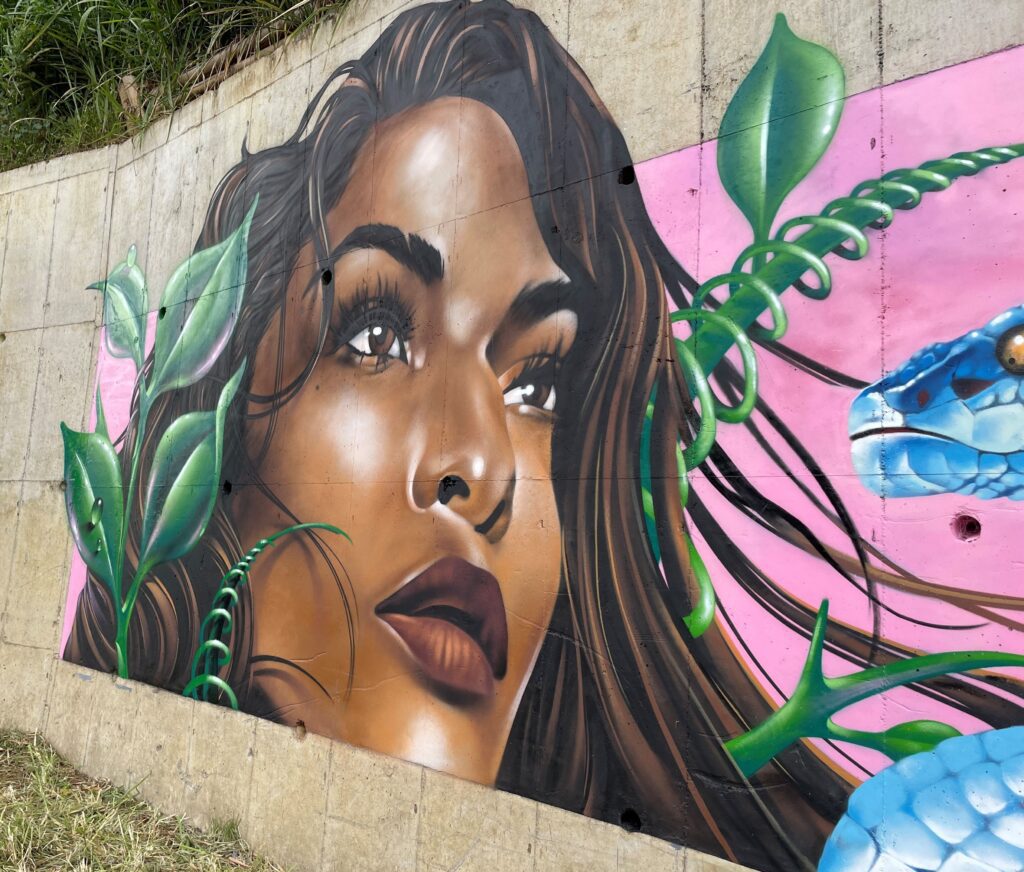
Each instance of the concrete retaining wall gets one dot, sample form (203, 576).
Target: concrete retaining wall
(666, 69)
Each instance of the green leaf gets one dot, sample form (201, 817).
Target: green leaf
(101, 418)
(778, 124)
(94, 500)
(913, 737)
(125, 300)
(184, 480)
(199, 309)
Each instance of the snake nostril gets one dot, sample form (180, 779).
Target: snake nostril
(923, 397)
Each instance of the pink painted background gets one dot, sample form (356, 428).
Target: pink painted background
(942, 269)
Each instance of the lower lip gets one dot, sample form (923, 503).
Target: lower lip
(449, 656)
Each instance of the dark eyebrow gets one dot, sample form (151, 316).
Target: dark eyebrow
(535, 302)
(532, 304)
(410, 250)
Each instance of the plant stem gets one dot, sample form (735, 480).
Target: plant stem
(808, 712)
(123, 608)
(902, 189)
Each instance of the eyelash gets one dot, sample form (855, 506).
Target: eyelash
(382, 307)
(542, 369)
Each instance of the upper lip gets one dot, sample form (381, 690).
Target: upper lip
(466, 596)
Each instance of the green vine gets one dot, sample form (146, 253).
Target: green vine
(808, 711)
(212, 653)
(776, 128)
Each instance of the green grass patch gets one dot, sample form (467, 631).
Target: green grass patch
(54, 818)
(62, 62)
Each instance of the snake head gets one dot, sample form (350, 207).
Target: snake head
(950, 419)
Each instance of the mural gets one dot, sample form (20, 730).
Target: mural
(437, 446)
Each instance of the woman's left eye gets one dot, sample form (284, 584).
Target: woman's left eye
(534, 386)
(531, 394)
(380, 341)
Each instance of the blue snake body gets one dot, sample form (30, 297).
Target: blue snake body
(957, 808)
(948, 420)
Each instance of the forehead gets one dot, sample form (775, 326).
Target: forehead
(446, 159)
(451, 172)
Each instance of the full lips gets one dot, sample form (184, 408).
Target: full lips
(451, 617)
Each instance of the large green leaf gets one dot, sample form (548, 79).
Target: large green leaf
(779, 124)
(94, 499)
(184, 480)
(198, 312)
(125, 300)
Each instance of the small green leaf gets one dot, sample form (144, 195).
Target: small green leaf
(101, 418)
(200, 304)
(184, 480)
(125, 300)
(94, 500)
(913, 737)
(778, 124)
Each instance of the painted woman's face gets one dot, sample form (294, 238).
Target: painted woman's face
(425, 433)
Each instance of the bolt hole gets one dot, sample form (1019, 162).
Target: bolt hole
(163, 311)
(300, 729)
(3, 337)
(966, 528)
(227, 487)
(63, 485)
(326, 276)
(627, 175)
(630, 821)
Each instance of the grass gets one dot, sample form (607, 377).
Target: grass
(78, 74)
(53, 817)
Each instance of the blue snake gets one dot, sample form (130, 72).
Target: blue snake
(948, 420)
(957, 808)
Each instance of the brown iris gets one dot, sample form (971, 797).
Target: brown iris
(1010, 350)
(380, 338)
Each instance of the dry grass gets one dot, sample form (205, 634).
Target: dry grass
(53, 817)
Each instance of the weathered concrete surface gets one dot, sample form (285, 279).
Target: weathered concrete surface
(288, 794)
(32, 609)
(666, 71)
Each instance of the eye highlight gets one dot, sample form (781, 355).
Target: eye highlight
(1010, 350)
(535, 384)
(375, 328)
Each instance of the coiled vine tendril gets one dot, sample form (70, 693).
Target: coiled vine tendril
(213, 654)
(758, 277)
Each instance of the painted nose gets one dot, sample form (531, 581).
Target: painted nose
(469, 467)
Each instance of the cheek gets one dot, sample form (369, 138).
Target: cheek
(337, 431)
(532, 548)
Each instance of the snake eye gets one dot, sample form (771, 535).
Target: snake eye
(1010, 350)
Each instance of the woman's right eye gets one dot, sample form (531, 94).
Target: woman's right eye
(380, 341)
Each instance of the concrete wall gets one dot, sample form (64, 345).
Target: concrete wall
(666, 69)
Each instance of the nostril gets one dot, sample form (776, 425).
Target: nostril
(923, 398)
(451, 486)
(965, 388)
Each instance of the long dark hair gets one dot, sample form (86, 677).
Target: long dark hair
(624, 709)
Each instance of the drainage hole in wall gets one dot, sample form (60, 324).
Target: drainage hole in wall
(630, 821)
(325, 277)
(227, 486)
(162, 312)
(627, 175)
(966, 528)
